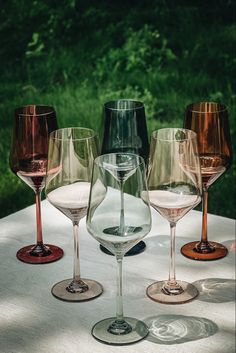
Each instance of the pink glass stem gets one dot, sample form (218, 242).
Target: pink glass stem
(172, 279)
(172, 287)
(77, 284)
(38, 218)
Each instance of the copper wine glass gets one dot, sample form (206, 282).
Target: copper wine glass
(125, 131)
(210, 121)
(28, 160)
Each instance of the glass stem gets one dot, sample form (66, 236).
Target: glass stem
(122, 215)
(204, 246)
(172, 279)
(38, 217)
(39, 249)
(172, 287)
(119, 300)
(77, 285)
(204, 214)
(76, 270)
(119, 326)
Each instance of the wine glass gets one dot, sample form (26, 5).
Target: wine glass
(174, 183)
(28, 160)
(210, 121)
(125, 130)
(70, 160)
(119, 217)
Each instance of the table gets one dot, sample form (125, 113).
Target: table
(33, 321)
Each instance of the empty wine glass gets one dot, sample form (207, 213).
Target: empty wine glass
(118, 218)
(174, 183)
(70, 160)
(125, 130)
(210, 121)
(28, 160)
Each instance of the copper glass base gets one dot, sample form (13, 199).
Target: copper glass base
(59, 291)
(189, 250)
(156, 293)
(32, 254)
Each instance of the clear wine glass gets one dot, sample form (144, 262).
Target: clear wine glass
(70, 160)
(28, 160)
(118, 218)
(174, 183)
(210, 121)
(125, 130)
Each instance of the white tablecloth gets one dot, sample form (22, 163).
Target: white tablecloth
(33, 321)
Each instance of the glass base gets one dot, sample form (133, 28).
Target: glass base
(34, 254)
(190, 251)
(60, 291)
(187, 293)
(102, 331)
(135, 250)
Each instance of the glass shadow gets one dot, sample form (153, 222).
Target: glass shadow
(216, 290)
(177, 329)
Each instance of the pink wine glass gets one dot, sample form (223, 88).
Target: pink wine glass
(28, 160)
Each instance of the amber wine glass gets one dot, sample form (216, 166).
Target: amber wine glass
(210, 122)
(174, 183)
(125, 131)
(70, 161)
(28, 160)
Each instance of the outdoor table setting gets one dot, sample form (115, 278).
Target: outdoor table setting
(32, 320)
(141, 272)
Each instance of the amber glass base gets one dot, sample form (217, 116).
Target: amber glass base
(217, 251)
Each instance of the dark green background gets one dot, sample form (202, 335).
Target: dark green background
(76, 55)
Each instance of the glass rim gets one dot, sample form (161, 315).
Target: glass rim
(123, 100)
(222, 107)
(138, 158)
(19, 113)
(192, 135)
(94, 134)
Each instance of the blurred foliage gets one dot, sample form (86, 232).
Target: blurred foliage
(76, 55)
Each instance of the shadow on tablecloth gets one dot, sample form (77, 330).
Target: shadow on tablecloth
(216, 290)
(176, 329)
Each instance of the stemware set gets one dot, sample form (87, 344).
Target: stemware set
(115, 191)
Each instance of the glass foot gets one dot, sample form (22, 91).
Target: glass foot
(135, 250)
(190, 251)
(103, 331)
(187, 293)
(33, 254)
(61, 291)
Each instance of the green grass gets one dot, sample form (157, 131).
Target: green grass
(167, 56)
